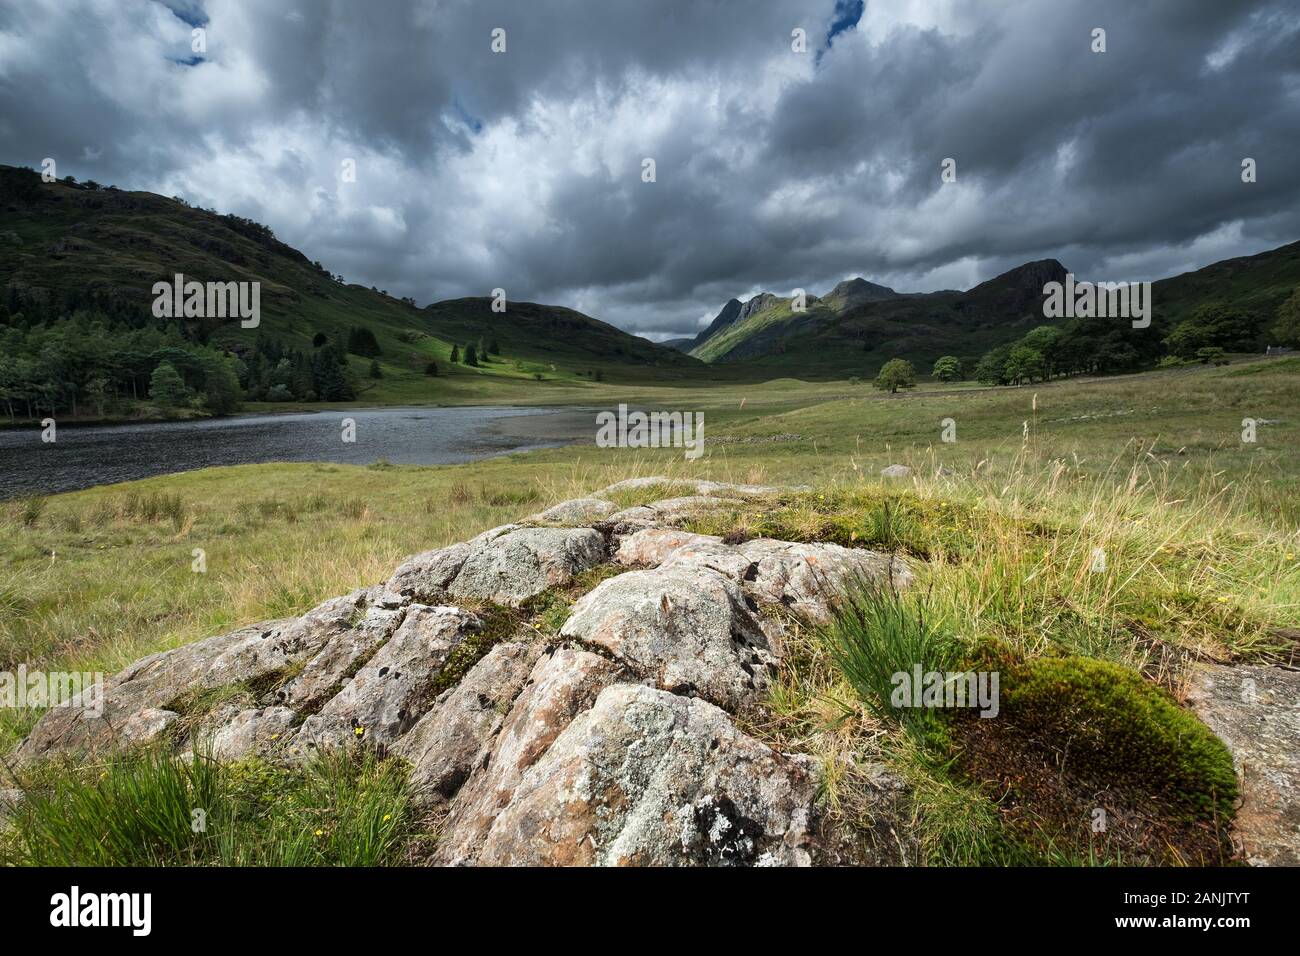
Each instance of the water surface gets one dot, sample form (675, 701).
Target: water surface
(89, 455)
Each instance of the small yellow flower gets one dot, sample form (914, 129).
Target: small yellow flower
(1290, 557)
(1223, 600)
(359, 731)
(387, 817)
(320, 832)
(275, 736)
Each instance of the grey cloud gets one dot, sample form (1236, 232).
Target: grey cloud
(774, 171)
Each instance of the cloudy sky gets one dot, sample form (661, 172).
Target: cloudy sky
(775, 169)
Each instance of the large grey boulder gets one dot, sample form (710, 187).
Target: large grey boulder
(352, 628)
(562, 684)
(523, 563)
(646, 777)
(895, 471)
(395, 687)
(455, 735)
(687, 628)
(131, 705)
(579, 511)
(1256, 712)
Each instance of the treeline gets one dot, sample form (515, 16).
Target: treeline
(271, 372)
(475, 354)
(1103, 346)
(95, 362)
(86, 364)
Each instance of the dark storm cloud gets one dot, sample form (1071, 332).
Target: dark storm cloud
(774, 170)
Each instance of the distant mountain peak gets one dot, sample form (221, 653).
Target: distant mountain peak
(723, 319)
(857, 290)
(757, 304)
(1033, 275)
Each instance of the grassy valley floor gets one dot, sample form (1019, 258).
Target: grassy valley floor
(1198, 533)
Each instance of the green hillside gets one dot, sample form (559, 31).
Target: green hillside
(83, 250)
(78, 263)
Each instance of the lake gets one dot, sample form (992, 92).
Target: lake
(87, 455)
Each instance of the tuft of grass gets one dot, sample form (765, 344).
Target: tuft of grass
(354, 508)
(877, 634)
(148, 808)
(154, 506)
(31, 509)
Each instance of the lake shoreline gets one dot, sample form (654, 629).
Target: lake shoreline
(294, 409)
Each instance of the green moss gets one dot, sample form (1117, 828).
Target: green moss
(499, 624)
(549, 610)
(1107, 722)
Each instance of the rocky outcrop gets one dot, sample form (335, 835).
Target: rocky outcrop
(524, 563)
(687, 629)
(507, 565)
(391, 692)
(613, 741)
(453, 737)
(646, 777)
(1255, 711)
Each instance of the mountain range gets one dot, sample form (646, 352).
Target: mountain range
(860, 324)
(67, 246)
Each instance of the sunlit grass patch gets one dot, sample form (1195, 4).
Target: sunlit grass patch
(851, 516)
